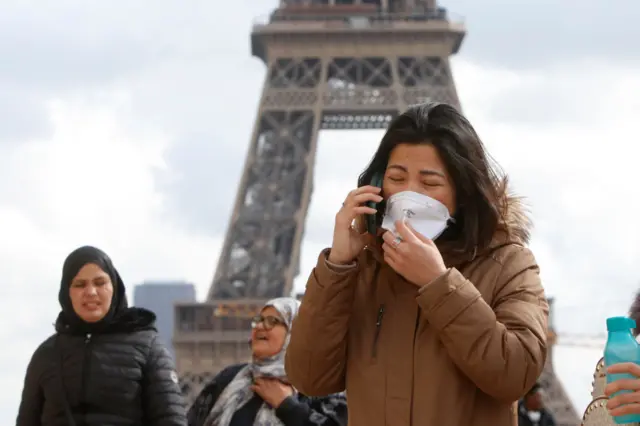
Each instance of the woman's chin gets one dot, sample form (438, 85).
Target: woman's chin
(91, 316)
(261, 351)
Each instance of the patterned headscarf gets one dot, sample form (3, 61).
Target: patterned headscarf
(238, 392)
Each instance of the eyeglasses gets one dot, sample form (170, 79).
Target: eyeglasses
(267, 322)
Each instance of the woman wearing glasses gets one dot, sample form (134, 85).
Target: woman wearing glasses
(259, 393)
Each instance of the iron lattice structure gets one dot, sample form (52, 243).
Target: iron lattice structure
(332, 64)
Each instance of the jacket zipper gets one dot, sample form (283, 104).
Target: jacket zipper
(86, 365)
(413, 376)
(379, 318)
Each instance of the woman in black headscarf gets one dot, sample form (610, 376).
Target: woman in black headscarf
(105, 363)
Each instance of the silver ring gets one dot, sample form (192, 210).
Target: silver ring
(397, 242)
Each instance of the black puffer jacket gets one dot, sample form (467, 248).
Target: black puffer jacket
(110, 379)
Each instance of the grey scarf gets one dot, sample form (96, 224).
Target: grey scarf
(238, 392)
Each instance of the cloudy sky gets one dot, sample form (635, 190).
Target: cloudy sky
(125, 125)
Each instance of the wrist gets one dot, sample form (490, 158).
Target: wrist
(290, 410)
(338, 260)
(282, 399)
(443, 271)
(278, 402)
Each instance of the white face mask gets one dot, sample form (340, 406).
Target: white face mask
(427, 216)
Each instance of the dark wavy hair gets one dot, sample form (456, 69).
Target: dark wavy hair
(479, 182)
(634, 313)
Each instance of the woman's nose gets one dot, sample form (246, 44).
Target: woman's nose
(90, 290)
(413, 186)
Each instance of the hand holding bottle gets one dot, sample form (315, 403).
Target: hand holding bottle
(621, 356)
(628, 401)
(347, 242)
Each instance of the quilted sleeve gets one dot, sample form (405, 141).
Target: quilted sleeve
(164, 404)
(30, 411)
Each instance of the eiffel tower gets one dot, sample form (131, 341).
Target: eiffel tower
(332, 64)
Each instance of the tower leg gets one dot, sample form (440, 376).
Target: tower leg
(259, 259)
(556, 399)
(261, 249)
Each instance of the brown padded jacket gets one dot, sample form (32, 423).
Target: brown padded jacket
(459, 351)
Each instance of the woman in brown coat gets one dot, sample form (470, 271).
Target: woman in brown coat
(450, 332)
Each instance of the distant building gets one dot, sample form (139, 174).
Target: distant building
(160, 297)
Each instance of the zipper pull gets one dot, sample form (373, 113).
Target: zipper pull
(87, 338)
(374, 348)
(380, 315)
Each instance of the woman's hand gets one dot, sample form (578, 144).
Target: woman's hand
(347, 242)
(413, 256)
(626, 403)
(273, 391)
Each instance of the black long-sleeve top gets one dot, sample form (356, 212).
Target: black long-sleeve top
(295, 410)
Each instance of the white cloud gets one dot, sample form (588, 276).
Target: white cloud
(91, 183)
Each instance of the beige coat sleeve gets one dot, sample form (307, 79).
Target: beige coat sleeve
(316, 356)
(501, 349)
